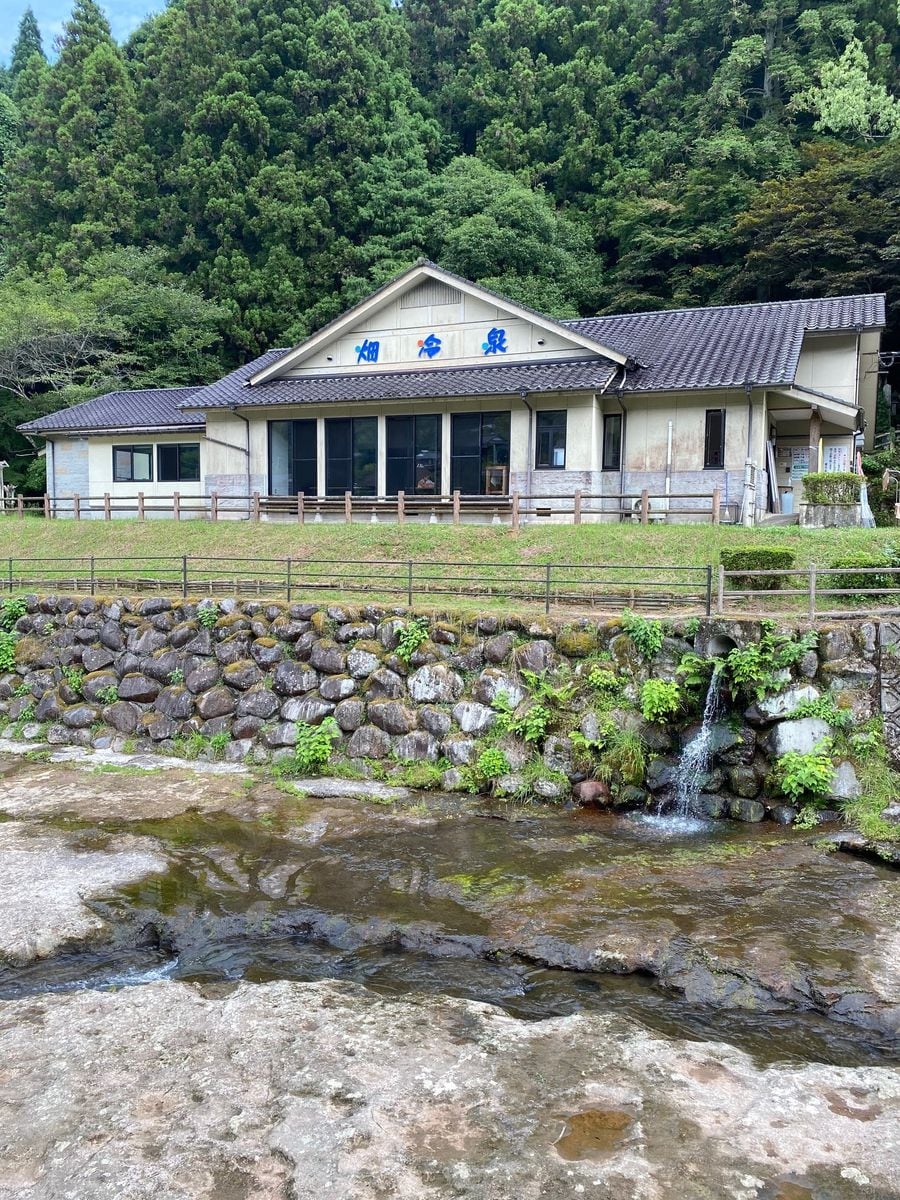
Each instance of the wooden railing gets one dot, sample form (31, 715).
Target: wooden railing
(645, 507)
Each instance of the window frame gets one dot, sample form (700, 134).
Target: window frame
(296, 463)
(130, 449)
(179, 477)
(407, 462)
(355, 431)
(547, 414)
(707, 445)
(608, 418)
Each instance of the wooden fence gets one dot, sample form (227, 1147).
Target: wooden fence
(588, 587)
(645, 507)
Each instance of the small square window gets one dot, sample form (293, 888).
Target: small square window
(132, 464)
(551, 440)
(178, 462)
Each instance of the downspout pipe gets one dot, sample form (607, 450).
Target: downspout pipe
(749, 502)
(246, 421)
(529, 448)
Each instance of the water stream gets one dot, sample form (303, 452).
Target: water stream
(695, 763)
(543, 912)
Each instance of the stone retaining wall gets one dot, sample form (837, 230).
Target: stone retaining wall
(148, 673)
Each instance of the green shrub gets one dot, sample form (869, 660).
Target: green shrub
(852, 578)
(831, 487)
(491, 764)
(756, 558)
(604, 680)
(11, 608)
(660, 699)
(315, 744)
(74, 679)
(805, 777)
(208, 614)
(412, 635)
(826, 710)
(7, 650)
(646, 633)
(754, 669)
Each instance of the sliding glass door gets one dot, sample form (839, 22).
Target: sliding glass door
(414, 455)
(479, 453)
(351, 456)
(292, 458)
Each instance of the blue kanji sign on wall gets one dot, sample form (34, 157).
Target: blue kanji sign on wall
(367, 352)
(429, 346)
(496, 342)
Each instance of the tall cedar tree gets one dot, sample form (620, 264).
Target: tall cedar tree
(75, 186)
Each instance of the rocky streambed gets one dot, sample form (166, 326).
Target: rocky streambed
(260, 991)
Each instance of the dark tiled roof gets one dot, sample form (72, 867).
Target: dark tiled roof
(726, 346)
(146, 408)
(501, 380)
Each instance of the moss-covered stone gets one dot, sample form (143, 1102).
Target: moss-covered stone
(577, 643)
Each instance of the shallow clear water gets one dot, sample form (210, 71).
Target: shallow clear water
(447, 901)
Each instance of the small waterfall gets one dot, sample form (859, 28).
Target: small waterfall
(696, 759)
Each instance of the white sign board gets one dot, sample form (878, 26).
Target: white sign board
(836, 458)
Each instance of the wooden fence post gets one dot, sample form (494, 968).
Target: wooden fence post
(214, 506)
(107, 512)
(301, 514)
(645, 507)
(716, 506)
(46, 506)
(256, 506)
(20, 506)
(812, 591)
(577, 512)
(176, 505)
(456, 507)
(401, 507)
(76, 506)
(140, 506)
(348, 507)
(720, 598)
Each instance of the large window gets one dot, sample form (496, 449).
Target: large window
(551, 440)
(714, 452)
(351, 456)
(132, 464)
(292, 458)
(414, 455)
(479, 453)
(178, 462)
(612, 442)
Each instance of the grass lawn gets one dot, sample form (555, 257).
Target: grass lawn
(625, 544)
(479, 555)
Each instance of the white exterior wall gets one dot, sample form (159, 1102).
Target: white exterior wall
(462, 326)
(100, 460)
(828, 363)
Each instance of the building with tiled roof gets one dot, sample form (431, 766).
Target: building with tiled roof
(434, 385)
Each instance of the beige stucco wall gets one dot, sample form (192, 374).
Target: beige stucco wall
(648, 426)
(462, 325)
(100, 464)
(828, 363)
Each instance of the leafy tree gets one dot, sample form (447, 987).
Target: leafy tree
(847, 102)
(831, 230)
(27, 43)
(74, 185)
(487, 225)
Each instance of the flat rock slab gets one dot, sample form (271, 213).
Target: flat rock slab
(289, 1091)
(45, 882)
(105, 786)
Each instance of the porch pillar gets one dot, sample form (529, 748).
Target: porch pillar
(815, 436)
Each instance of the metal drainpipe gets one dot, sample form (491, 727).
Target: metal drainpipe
(247, 423)
(749, 485)
(624, 435)
(523, 396)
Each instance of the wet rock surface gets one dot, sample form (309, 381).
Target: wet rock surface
(288, 1091)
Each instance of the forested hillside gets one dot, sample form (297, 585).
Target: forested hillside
(242, 170)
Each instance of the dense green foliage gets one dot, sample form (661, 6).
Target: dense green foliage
(757, 558)
(275, 162)
(860, 572)
(837, 487)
